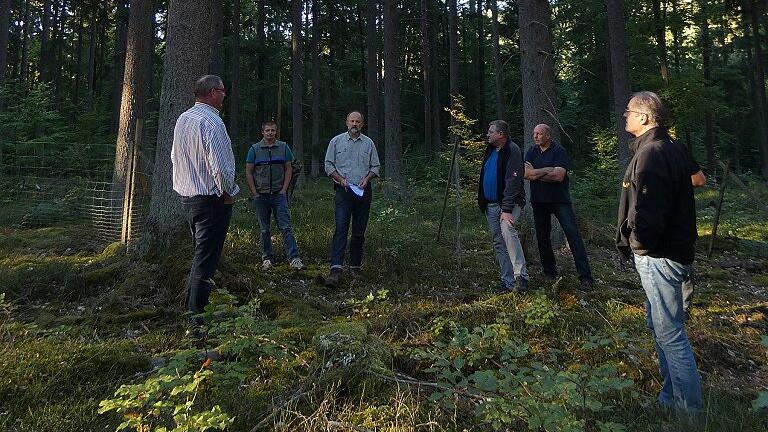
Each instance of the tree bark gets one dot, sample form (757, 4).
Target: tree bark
(661, 40)
(501, 108)
(617, 40)
(706, 53)
(261, 37)
(453, 50)
(297, 81)
(234, 86)
(315, 48)
(135, 89)
(92, 59)
(480, 65)
(61, 42)
(675, 29)
(188, 56)
(392, 127)
(216, 15)
(428, 74)
(761, 109)
(24, 70)
(372, 75)
(537, 69)
(5, 21)
(45, 41)
(121, 22)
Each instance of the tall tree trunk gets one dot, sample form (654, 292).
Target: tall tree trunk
(453, 50)
(501, 107)
(617, 40)
(234, 87)
(392, 126)
(661, 40)
(92, 59)
(60, 43)
(676, 34)
(428, 75)
(78, 59)
(188, 57)
(437, 109)
(706, 53)
(45, 41)
(537, 68)
(135, 89)
(24, 72)
(261, 58)
(480, 65)
(372, 74)
(315, 160)
(121, 22)
(297, 81)
(216, 15)
(5, 21)
(761, 109)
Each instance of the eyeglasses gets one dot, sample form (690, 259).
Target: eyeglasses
(636, 112)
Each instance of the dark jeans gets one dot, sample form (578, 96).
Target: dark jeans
(208, 219)
(350, 207)
(543, 222)
(277, 204)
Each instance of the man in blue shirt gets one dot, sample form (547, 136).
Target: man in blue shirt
(268, 172)
(546, 166)
(500, 195)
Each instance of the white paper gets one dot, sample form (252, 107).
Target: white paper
(359, 192)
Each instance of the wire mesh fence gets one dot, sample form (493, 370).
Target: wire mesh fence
(44, 184)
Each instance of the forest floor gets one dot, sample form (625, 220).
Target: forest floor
(422, 342)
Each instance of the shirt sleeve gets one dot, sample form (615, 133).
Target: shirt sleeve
(330, 157)
(561, 159)
(221, 159)
(288, 154)
(529, 155)
(251, 157)
(373, 163)
(513, 179)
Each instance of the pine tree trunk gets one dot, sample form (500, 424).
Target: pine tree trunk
(372, 77)
(537, 68)
(661, 40)
(45, 41)
(261, 37)
(453, 50)
(188, 55)
(216, 15)
(437, 108)
(392, 126)
(121, 21)
(617, 40)
(24, 72)
(234, 87)
(92, 59)
(78, 60)
(297, 81)
(676, 35)
(706, 53)
(428, 75)
(60, 43)
(316, 150)
(501, 107)
(135, 89)
(5, 21)
(480, 66)
(761, 109)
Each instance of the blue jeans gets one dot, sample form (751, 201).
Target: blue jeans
(350, 207)
(506, 244)
(542, 220)
(277, 204)
(208, 219)
(662, 281)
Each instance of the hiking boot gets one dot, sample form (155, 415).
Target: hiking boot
(521, 285)
(333, 278)
(296, 264)
(355, 273)
(586, 285)
(266, 264)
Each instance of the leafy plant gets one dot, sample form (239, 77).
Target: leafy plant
(762, 398)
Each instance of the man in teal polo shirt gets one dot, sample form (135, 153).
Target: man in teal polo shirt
(268, 172)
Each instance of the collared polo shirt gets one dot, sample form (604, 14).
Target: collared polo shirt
(549, 192)
(353, 158)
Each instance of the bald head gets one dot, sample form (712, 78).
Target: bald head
(542, 135)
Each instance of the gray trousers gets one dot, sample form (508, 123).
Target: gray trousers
(506, 244)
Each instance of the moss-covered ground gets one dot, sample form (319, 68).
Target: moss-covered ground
(79, 320)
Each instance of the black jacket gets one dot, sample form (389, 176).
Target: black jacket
(509, 177)
(657, 213)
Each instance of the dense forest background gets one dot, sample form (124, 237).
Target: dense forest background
(304, 64)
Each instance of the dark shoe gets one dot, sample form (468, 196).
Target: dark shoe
(355, 273)
(333, 278)
(586, 285)
(521, 284)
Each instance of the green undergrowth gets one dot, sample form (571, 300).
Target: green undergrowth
(94, 338)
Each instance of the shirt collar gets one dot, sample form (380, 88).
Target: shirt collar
(205, 105)
(359, 137)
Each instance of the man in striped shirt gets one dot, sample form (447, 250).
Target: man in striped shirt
(204, 176)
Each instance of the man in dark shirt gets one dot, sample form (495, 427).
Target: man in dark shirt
(546, 166)
(657, 227)
(500, 195)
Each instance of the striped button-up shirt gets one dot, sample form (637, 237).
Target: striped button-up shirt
(352, 158)
(202, 157)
